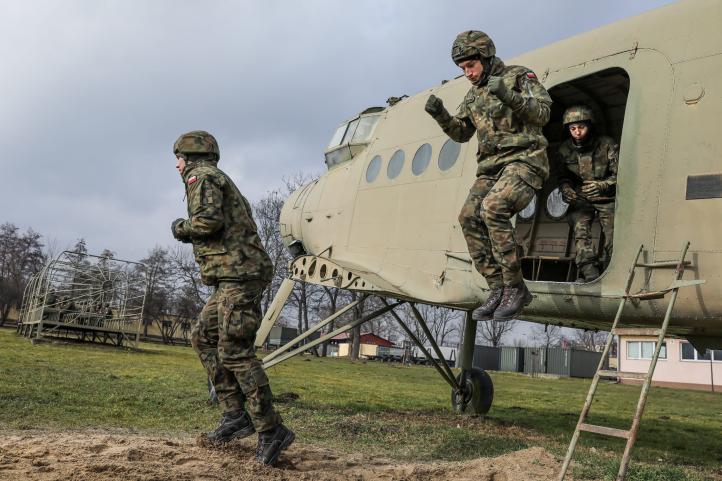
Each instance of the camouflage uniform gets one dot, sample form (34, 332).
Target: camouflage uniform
(231, 258)
(595, 161)
(512, 161)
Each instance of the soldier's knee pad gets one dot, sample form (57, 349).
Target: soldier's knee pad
(254, 378)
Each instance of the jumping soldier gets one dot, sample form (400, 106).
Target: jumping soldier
(587, 177)
(507, 107)
(232, 259)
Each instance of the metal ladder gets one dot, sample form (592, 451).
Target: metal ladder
(644, 295)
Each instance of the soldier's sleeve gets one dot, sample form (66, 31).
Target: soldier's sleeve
(459, 127)
(533, 105)
(560, 171)
(613, 158)
(205, 201)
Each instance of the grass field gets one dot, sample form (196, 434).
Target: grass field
(386, 409)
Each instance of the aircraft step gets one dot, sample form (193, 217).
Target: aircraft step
(648, 296)
(661, 264)
(623, 374)
(631, 434)
(614, 432)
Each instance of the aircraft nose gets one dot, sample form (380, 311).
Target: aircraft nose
(291, 217)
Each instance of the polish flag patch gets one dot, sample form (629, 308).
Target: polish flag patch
(192, 180)
(531, 75)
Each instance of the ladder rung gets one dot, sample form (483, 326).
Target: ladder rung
(660, 264)
(623, 374)
(648, 296)
(635, 331)
(617, 433)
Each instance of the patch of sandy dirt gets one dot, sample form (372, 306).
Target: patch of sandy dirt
(93, 456)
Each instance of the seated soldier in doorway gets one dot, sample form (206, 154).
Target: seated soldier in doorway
(587, 176)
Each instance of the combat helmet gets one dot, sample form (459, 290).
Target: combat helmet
(197, 142)
(577, 113)
(470, 44)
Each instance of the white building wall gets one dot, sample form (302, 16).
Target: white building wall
(673, 369)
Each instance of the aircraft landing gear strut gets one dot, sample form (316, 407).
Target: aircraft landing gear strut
(475, 392)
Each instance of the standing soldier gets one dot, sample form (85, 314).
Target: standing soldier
(507, 107)
(587, 165)
(232, 259)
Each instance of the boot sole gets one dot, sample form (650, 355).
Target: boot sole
(290, 437)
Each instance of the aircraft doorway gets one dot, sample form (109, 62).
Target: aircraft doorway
(544, 229)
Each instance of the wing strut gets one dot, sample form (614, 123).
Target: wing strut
(340, 330)
(445, 371)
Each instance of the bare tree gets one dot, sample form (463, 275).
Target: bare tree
(158, 299)
(21, 256)
(267, 213)
(194, 293)
(590, 340)
(547, 335)
(493, 332)
(444, 324)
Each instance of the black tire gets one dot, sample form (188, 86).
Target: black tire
(477, 393)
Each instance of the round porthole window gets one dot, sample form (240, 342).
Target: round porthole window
(449, 154)
(528, 212)
(422, 157)
(372, 171)
(395, 164)
(556, 207)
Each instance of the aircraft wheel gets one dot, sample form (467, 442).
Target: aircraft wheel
(476, 395)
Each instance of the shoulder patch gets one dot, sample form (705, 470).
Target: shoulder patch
(531, 75)
(192, 180)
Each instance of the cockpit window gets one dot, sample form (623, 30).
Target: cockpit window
(365, 129)
(350, 131)
(337, 136)
(351, 138)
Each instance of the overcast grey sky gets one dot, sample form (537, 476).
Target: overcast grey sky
(94, 93)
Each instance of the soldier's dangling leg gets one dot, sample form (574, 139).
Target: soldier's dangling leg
(477, 239)
(240, 313)
(476, 234)
(509, 195)
(204, 339)
(605, 214)
(580, 218)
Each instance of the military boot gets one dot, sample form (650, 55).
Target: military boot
(272, 442)
(587, 273)
(233, 425)
(486, 311)
(513, 301)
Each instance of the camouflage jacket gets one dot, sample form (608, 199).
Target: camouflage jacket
(596, 162)
(221, 227)
(505, 134)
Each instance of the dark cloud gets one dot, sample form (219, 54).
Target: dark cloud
(95, 93)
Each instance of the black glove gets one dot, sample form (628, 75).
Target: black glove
(434, 106)
(176, 234)
(498, 88)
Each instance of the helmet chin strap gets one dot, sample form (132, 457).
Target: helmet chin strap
(488, 65)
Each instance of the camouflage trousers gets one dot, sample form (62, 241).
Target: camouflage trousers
(485, 221)
(223, 337)
(580, 217)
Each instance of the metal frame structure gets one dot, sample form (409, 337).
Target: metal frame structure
(643, 295)
(463, 385)
(85, 297)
